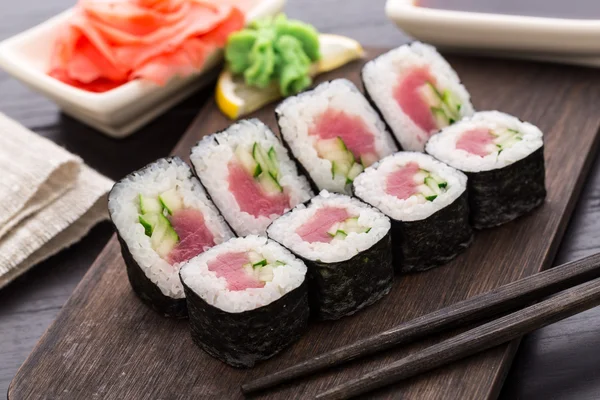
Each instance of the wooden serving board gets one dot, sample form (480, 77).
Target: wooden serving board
(106, 344)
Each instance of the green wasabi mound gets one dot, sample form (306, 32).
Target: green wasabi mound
(274, 49)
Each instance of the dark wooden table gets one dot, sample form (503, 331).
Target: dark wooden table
(561, 361)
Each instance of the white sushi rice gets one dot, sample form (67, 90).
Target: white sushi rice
(214, 290)
(370, 186)
(296, 115)
(443, 145)
(381, 75)
(156, 178)
(211, 156)
(283, 230)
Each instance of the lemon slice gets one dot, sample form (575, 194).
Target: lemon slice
(236, 99)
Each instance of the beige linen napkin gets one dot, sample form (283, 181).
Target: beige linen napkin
(49, 199)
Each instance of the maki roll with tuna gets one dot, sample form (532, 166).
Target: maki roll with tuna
(249, 175)
(247, 300)
(427, 203)
(346, 246)
(417, 92)
(504, 160)
(334, 133)
(163, 218)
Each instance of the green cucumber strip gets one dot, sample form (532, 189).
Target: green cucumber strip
(261, 263)
(262, 158)
(452, 102)
(274, 162)
(431, 198)
(354, 171)
(171, 200)
(430, 95)
(443, 185)
(148, 221)
(269, 183)
(421, 175)
(340, 168)
(164, 238)
(149, 205)
(368, 230)
(279, 262)
(247, 161)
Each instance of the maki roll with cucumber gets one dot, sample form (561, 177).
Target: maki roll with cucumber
(427, 203)
(346, 246)
(247, 300)
(504, 160)
(249, 175)
(163, 218)
(417, 92)
(334, 133)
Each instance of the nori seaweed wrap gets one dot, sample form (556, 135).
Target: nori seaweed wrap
(504, 161)
(427, 203)
(163, 217)
(346, 246)
(247, 300)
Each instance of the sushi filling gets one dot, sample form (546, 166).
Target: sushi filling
(176, 234)
(329, 224)
(412, 180)
(346, 141)
(243, 270)
(330, 229)
(483, 141)
(428, 106)
(255, 172)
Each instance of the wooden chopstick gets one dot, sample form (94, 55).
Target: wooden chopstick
(505, 298)
(504, 329)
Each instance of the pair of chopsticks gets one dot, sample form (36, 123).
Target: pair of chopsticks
(573, 287)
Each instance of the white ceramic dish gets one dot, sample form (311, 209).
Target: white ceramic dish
(553, 39)
(118, 112)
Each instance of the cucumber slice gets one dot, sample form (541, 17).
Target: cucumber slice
(340, 168)
(148, 221)
(269, 183)
(340, 235)
(354, 171)
(440, 117)
(261, 263)
(273, 157)
(426, 191)
(432, 184)
(334, 228)
(247, 161)
(431, 198)
(263, 159)
(149, 205)
(164, 238)
(452, 102)
(431, 95)
(171, 200)
(334, 150)
(442, 184)
(420, 176)
(266, 274)
(278, 262)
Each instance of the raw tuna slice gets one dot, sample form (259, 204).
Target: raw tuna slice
(315, 230)
(476, 141)
(194, 235)
(410, 100)
(230, 267)
(350, 128)
(250, 195)
(401, 183)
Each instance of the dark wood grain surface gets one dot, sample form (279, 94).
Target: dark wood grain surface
(107, 343)
(559, 362)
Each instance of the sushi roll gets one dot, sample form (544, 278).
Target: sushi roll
(416, 91)
(346, 246)
(334, 133)
(427, 203)
(504, 160)
(163, 217)
(247, 300)
(249, 175)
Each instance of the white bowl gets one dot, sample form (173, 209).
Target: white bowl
(117, 112)
(553, 39)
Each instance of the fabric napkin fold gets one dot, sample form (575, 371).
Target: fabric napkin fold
(49, 199)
